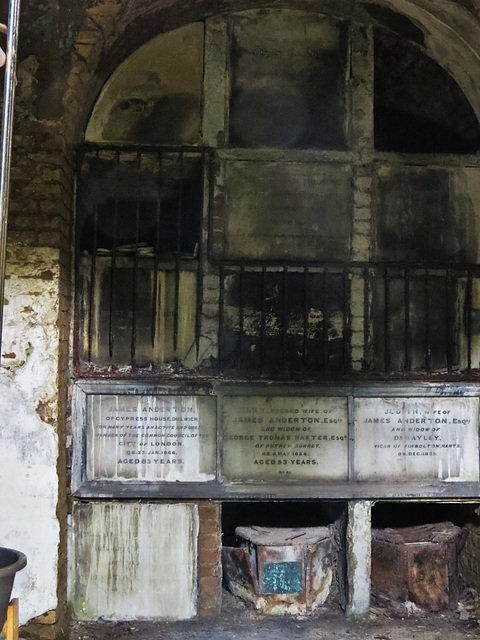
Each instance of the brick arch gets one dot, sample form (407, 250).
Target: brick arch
(112, 31)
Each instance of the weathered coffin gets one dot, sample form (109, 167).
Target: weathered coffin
(281, 570)
(417, 564)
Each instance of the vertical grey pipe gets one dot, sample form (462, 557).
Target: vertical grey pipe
(7, 123)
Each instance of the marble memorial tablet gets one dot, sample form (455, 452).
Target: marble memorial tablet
(279, 439)
(403, 439)
(135, 437)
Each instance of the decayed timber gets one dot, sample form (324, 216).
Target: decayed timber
(417, 564)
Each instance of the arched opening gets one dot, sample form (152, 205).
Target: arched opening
(267, 196)
(297, 236)
(418, 106)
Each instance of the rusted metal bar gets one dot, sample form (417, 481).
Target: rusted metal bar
(367, 289)
(386, 327)
(449, 321)
(200, 267)
(468, 311)
(406, 303)
(93, 274)
(284, 318)
(346, 320)
(306, 277)
(263, 313)
(176, 310)
(156, 258)
(142, 148)
(221, 316)
(6, 152)
(133, 345)
(428, 346)
(113, 267)
(324, 320)
(240, 315)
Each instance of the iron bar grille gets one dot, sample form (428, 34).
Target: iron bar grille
(140, 271)
(138, 244)
(333, 319)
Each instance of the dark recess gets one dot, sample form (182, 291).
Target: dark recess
(277, 514)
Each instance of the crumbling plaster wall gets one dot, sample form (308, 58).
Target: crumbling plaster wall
(28, 438)
(33, 379)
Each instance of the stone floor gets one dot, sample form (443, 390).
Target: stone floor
(240, 622)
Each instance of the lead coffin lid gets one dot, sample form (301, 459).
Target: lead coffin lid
(279, 536)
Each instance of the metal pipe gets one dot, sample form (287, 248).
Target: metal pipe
(6, 153)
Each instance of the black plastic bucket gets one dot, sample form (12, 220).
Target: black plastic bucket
(11, 561)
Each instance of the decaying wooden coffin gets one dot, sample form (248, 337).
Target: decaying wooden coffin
(417, 564)
(281, 570)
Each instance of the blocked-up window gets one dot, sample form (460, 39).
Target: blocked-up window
(424, 286)
(288, 80)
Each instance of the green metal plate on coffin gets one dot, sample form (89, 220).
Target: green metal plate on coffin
(282, 577)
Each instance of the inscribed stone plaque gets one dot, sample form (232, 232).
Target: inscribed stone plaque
(284, 438)
(278, 210)
(134, 437)
(416, 438)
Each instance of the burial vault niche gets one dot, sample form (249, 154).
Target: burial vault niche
(259, 289)
(285, 557)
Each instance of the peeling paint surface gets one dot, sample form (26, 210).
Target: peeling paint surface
(28, 441)
(359, 556)
(133, 561)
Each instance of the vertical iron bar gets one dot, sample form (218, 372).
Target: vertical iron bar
(324, 320)
(240, 315)
(6, 153)
(366, 317)
(406, 303)
(428, 347)
(386, 337)
(346, 319)
(221, 316)
(284, 318)
(133, 345)
(199, 307)
(263, 320)
(449, 321)
(305, 316)
(469, 303)
(93, 273)
(113, 266)
(200, 265)
(156, 257)
(177, 256)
